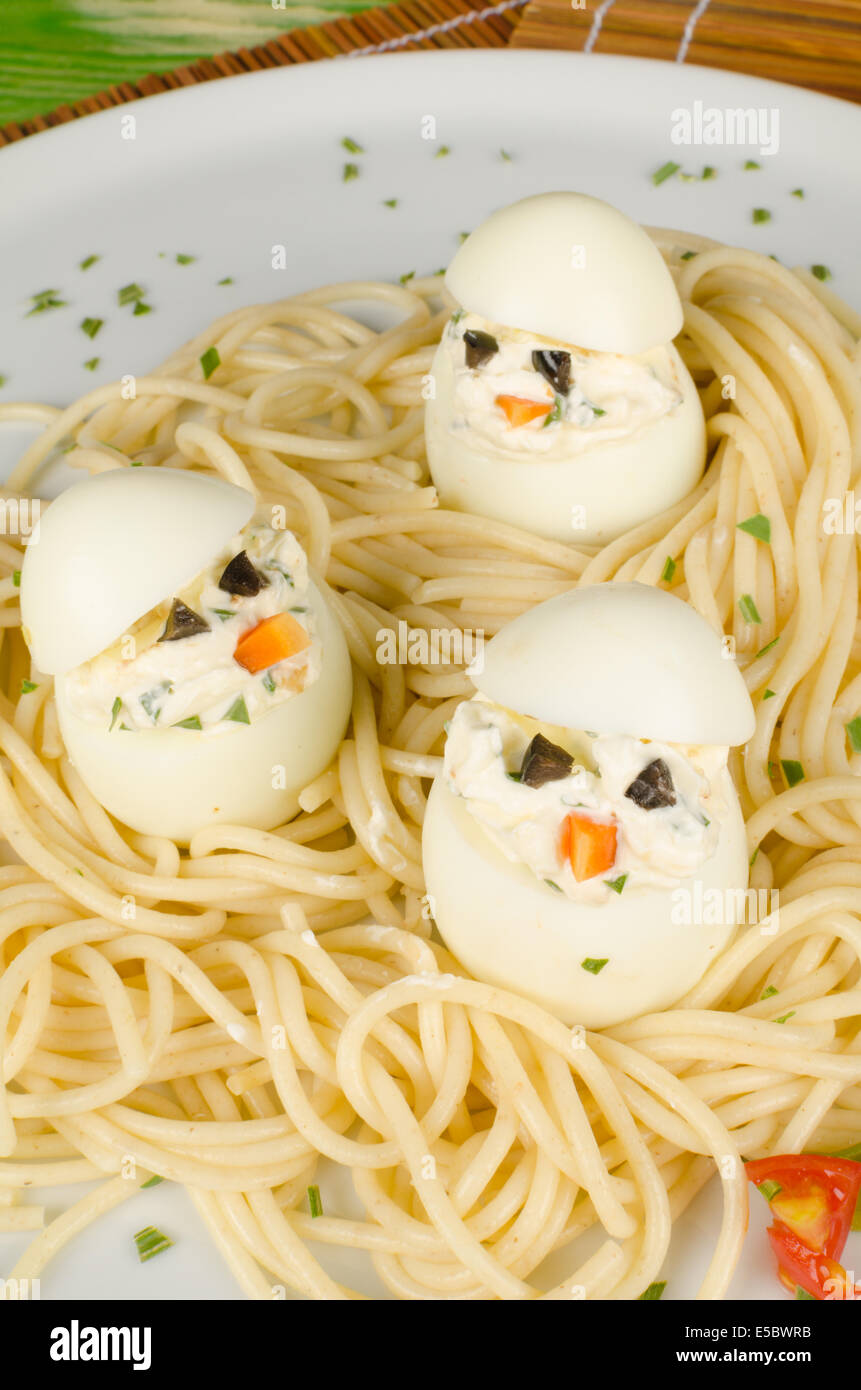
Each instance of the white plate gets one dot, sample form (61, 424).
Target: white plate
(227, 171)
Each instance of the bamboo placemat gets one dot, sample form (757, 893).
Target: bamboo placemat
(814, 44)
(412, 24)
(811, 43)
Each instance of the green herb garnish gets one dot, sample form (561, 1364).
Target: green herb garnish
(687, 255)
(767, 648)
(27, 686)
(442, 151)
(351, 171)
(192, 722)
(87, 262)
(769, 694)
(709, 172)
(182, 259)
(503, 154)
(594, 966)
(228, 280)
(406, 277)
(151, 1242)
(803, 1296)
(91, 327)
(792, 771)
(238, 711)
(91, 363)
(152, 1182)
(315, 1202)
(761, 215)
(115, 711)
(749, 610)
(751, 164)
(798, 193)
(757, 526)
(555, 415)
(223, 613)
(554, 886)
(786, 1017)
(669, 569)
(768, 992)
(16, 578)
(617, 884)
(130, 294)
(141, 308)
(653, 1292)
(209, 361)
(269, 683)
(853, 729)
(351, 145)
(665, 172)
(390, 202)
(821, 272)
(769, 1189)
(43, 300)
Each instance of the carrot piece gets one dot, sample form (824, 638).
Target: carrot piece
(271, 641)
(588, 845)
(520, 410)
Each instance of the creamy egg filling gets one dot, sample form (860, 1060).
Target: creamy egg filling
(197, 681)
(653, 848)
(607, 396)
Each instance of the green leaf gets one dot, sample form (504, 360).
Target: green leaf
(87, 262)
(130, 294)
(767, 648)
(27, 686)
(669, 569)
(209, 361)
(798, 193)
(115, 711)
(665, 172)
(751, 164)
(182, 259)
(749, 610)
(768, 694)
(315, 1202)
(653, 1292)
(91, 326)
(152, 1182)
(151, 1242)
(351, 171)
(792, 771)
(390, 202)
(594, 966)
(768, 992)
(617, 884)
(238, 711)
(91, 363)
(757, 526)
(141, 308)
(761, 215)
(351, 145)
(821, 272)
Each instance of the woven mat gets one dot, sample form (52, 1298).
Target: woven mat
(812, 44)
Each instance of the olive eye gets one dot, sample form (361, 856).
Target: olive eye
(555, 367)
(480, 347)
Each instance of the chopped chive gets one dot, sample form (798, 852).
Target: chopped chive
(709, 172)
(27, 686)
(769, 1189)
(751, 164)
(183, 259)
(853, 729)
(768, 694)
(594, 966)
(767, 648)
(797, 193)
(749, 610)
(803, 1296)
(129, 294)
(151, 1242)
(228, 280)
(554, 886)
(514, 776)
(390, 202)
(503, 154)
(407, 276)
(209, 361)
(351, 145)
(3, 380)
(653, 1292)
(238, 711)
(687, 255)
(669, 569)
(757, 526)
(91, 363)
(115, 710)
(192, 722)
(854, 1152)
(768, 992)
(351, 171)
(753, 858)
(555, 415)
(462, 236)
(43, 300)
(617, 884)
(786, 1017)
(665, 172)
(141, 308)
(91, 326)
(152, 1182)
(269, 683)
(442, 151)
(821, 272)
(792, 771)
(16, 578)
(315, 1201)
(87, 262)
(761, 215)
(223, 613)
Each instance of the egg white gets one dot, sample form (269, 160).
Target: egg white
(617, 484)
(173, 782)
(511, 930)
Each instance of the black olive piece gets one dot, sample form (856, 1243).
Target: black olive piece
(543, 762)
(653, 788)
(182, 621)
(241, 578)
(480, 347)
(555, 367)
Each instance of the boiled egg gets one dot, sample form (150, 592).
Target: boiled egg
(557, 399)
(200, 675)
(584, 844)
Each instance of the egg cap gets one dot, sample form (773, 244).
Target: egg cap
(570, 268)
(114, 546)
(619, 659)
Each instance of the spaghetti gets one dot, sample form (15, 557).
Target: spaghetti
(239, 1017)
